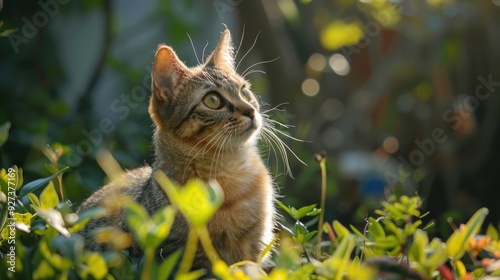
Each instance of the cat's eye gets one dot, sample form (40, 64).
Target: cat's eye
(246, 94)
(213, 100)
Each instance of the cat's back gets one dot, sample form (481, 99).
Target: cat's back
(129, 185)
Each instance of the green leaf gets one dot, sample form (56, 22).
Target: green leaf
(304, 211)
(300, 231)
(386, 243)
(358, 233)
(345, 247)
(167, 267)
(192, 275)
(70, 247)
(266, 251)
(375, 229)
(49, 198)
(23, 221)
(97, 266)
(284, 207)
(314, 212)
(163, 220)
(51, 168)
(492, 232)
(409, 230)
(302, 272)
(437, 256)
(92, 213)
(44, 271)
(293, 212)
(4, 132)
(34, 185)
(394, 229)
(137, 217)
(310, 235)
(340, 230)
(457, 242)
(417, 248)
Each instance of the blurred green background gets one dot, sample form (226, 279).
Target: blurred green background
(402, 95)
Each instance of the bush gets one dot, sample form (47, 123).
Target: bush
(39, 238)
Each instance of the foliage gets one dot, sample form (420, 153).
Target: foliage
(39, 239)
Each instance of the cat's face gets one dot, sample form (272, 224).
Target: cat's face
(209, 106)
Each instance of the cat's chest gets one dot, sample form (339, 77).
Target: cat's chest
(247, 206)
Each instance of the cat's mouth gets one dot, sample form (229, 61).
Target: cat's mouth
(249, 128)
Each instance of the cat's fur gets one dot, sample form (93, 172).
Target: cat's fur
(193, 141)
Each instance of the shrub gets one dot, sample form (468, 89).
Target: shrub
(39, 238)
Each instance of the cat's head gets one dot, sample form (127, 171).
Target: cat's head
(208, 106)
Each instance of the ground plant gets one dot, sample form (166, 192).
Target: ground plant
(40, 240)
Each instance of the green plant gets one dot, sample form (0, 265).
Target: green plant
(43, 242)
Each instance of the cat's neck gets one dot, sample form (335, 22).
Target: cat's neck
(181, 165)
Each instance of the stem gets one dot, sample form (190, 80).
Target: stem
(306, 254)
(322, 165)
(189, 253)
(59, 178)
(149, 254)
(209, 248)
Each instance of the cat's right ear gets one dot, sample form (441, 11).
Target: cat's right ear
(167, 72)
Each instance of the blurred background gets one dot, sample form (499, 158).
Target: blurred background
(401, 95)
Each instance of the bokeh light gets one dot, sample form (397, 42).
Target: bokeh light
(391, 144)
(332, 109)
(317, 62)
(339, 64)
(310, 87)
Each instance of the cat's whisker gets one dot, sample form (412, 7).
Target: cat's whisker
(199, 142)
(194, 49)
(218, 152)
(289, 136)
(241, 41)
(278, 123)
(253, 45)
(244, 74)
(277, 143)
(203, 53)
(201, 150)
(270, 147)
(275, 108)
(254, 71)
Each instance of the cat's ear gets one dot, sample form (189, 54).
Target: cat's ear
(167, 72)
(223, 55)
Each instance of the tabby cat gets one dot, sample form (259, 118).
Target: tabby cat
(207, 123)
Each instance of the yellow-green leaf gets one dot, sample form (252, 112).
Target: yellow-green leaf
(339, 229)
(97, 266)
(375, 229)
(457, 242)
(417, 248)
(49, 198)
(197, 201)
(492, 232)
(460, 267)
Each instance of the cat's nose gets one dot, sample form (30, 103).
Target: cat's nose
(250, 112)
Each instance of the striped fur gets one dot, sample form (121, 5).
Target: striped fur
(192, 140)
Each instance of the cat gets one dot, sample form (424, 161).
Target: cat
(207, 124)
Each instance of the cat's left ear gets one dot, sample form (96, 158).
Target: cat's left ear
(168, 71)
(223, 55)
